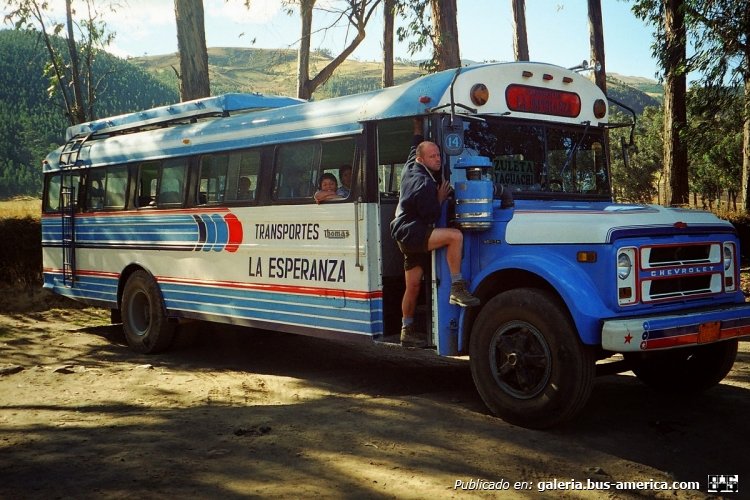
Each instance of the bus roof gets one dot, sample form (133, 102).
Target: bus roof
(221, 105)
(277, 120)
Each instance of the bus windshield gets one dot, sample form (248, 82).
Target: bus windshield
(540, 160)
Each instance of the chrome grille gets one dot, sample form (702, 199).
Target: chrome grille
(676, 272)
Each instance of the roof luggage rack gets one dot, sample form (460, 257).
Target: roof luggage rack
(221, 105)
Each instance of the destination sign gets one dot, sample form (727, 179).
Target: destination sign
(543, 101)
(511, 171)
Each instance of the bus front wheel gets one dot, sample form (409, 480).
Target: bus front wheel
(527, 362)
(144, 319)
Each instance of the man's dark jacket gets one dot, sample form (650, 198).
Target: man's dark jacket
(418, 208)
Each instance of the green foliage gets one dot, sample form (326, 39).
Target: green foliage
(32, 124)
(637, 183)
(714, 139)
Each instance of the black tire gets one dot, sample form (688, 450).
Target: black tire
(144, 319)
(687, 370)
(528, 364)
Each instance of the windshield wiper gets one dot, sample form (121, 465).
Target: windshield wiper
(574, 150)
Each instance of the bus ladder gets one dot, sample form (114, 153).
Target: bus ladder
(69, 159)
(68, 208)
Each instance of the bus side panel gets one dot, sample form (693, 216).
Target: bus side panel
(292, 267)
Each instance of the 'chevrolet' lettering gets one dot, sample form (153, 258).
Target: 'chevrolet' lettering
(684, 270)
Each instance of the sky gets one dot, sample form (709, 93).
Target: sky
(558, 31)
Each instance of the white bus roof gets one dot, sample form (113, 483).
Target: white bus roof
(221, 105)
(277, 120)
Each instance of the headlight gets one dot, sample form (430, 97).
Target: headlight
(624, 265)
(728, 257)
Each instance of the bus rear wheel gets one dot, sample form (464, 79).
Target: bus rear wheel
(527, 362)
(686, 370)
(144, 319)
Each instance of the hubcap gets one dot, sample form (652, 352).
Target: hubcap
(140, 313)
(520, 359)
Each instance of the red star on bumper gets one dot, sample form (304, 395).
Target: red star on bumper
(628, 338)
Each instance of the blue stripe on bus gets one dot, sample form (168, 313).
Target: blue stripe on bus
(182, 229)
(86, 287)
(362, 316)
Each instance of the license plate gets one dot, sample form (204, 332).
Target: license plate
(709, 332)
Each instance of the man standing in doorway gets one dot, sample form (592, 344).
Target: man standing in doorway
(414, 230)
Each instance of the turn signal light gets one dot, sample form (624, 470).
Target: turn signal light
(600, 108)
(480, 94)
(584, 256)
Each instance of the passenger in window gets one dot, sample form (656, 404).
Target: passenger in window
(327, 189)
(345, 174)
(244, 189)
(414, 230)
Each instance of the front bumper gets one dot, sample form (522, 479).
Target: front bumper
(648, 333)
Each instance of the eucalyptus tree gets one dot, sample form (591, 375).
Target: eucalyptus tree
(520, 41)
(191, 45)
(715, 147)
(356, 13)
(722, 57)
(670, 47)
(389, 15)
(69, 71)
(432, 23)
(596, 40)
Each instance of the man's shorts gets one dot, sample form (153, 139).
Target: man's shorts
(416, 255)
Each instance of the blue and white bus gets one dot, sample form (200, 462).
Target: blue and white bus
(203, 210)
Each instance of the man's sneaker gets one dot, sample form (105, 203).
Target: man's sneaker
(461, 296)
(411, 338)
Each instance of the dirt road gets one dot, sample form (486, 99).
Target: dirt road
(244, 414)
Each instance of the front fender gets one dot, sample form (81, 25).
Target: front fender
(570, 280)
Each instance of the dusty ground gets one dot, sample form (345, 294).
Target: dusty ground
(244, 413)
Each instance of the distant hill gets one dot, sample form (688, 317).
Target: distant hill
(637, 92)
(646, 85)
(273, 71)
(32, 124)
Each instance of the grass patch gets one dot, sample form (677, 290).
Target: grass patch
(20, 208)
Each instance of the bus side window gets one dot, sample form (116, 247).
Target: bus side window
(337, 158)
(213, 179)
(394, 142)
(244, 169)
(172, 183)
(52, 193)
(95, 189)
(148, 178)
(116, 188)
(295, 170)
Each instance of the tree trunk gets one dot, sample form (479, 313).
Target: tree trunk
(358, 16)
(191, 44)
(675, 109)
(746, 139)
(78, 109)
(596, 38)
(388, 15)
(445, 29)
(520, 42)
(303, 56)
